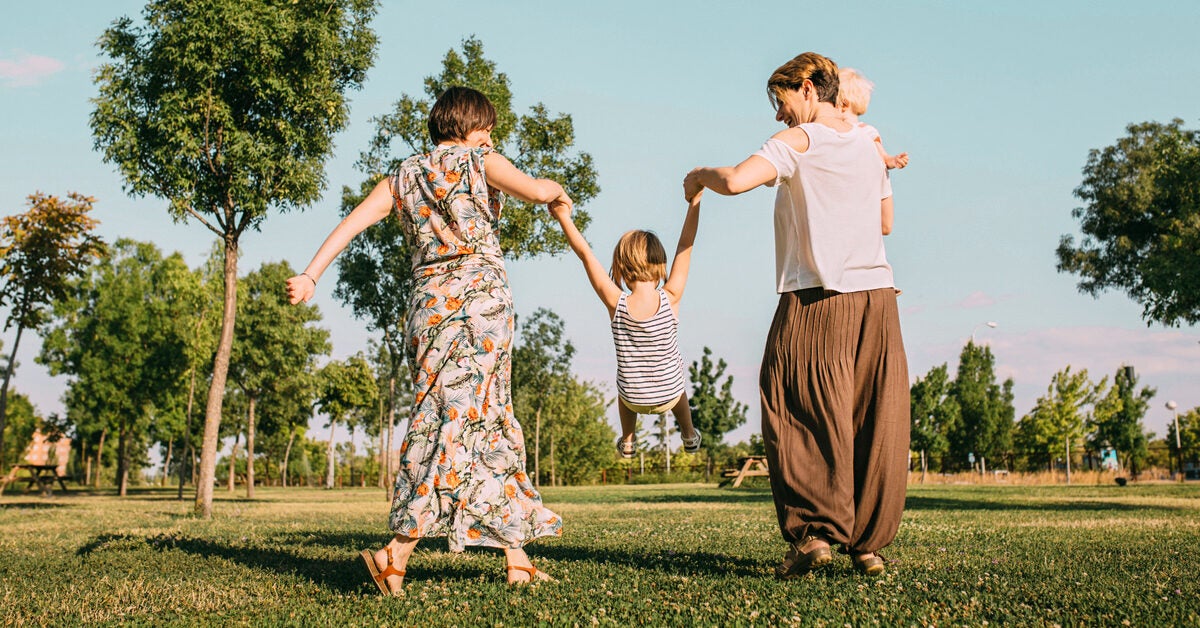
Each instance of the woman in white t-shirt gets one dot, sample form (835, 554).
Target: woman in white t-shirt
(834, 378)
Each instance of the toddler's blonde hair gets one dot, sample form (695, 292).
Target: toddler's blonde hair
(638, 256)
(854, 91)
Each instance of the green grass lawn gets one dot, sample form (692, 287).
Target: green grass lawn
(679, 554)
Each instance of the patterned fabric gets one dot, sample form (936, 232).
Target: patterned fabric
(462, 466)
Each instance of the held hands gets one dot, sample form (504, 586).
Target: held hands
(561, 207)
(896, 161)
(692, 187)
(300, 288)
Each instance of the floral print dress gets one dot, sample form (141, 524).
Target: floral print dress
(462, 466)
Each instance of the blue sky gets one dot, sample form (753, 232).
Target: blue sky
(998, 105)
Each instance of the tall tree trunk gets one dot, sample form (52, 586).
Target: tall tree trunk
(287, 452)
(391, 435)
(250, 450)
(233, 462)
(382, 444)
(1067, 441)
(100, 457)
(537, 446)
(87, 470)
(167, 463)
(122, 457)
(216, 390)
(924, 466)
(187, 433)
(8, 371)
(666, 440)
(553, 477)
(330, 475)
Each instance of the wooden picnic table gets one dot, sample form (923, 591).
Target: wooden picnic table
(43, 476)
(748, 466)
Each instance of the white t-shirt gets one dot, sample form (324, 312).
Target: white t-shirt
(827, 212)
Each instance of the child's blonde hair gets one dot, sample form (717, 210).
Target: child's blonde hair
(638, 256)
(854, 91)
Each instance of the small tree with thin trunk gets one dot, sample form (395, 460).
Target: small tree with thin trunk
(226, 109)
(41, 252)
(347, 395)
(276, 341)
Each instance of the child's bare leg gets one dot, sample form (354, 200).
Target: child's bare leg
(683, 417)
(628, 421)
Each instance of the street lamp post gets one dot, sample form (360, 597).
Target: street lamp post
(1174, 408)
(991, 324)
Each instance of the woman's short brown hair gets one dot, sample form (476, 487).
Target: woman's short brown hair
(638, 256)
(819, 69)
(457, 112)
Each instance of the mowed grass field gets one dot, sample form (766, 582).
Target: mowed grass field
(641, 555)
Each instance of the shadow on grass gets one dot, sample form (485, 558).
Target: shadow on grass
(722, 496)
(914, 502)
(346, 574)
(31, 506)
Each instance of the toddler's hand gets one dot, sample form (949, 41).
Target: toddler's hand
(897, 161)
(300, 288)
(561, 210)
(692, 185)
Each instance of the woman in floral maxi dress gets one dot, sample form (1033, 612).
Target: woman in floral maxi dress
(462, 469)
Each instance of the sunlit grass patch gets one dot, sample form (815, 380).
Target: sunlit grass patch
(677, 554)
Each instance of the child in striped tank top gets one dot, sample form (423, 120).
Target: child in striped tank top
(650, 373)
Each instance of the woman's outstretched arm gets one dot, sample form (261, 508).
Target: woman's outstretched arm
(683, 252)
(605, 288)
(504, 176)
(730, 180)
(373, 209)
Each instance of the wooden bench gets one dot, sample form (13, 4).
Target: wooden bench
(748, 466)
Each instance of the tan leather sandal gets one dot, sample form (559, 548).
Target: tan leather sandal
(535, 575)
(380, 577)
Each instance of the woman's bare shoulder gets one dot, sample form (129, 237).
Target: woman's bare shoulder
(795, 137)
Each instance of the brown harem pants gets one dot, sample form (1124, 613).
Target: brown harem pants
(835, 399)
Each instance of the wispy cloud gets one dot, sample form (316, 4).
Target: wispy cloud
(975, 300)
(28, 70)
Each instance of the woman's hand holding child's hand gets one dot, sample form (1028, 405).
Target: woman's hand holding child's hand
(692, 185)
(300, 288)
(560, 209)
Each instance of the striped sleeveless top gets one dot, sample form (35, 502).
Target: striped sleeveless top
(649, 366)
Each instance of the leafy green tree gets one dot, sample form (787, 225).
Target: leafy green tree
(541, 364)
(347, 395)
(715, 411)
(1189, 436)
(119, 336)
(986, 408)
(538, 143)
(396, 386)
(1141, 222)
(935, 414)
(1117, 419)
(226, 109)
(41, 252)
(276, 342)
(578, 436)
(23, 420)
(1056, 423)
